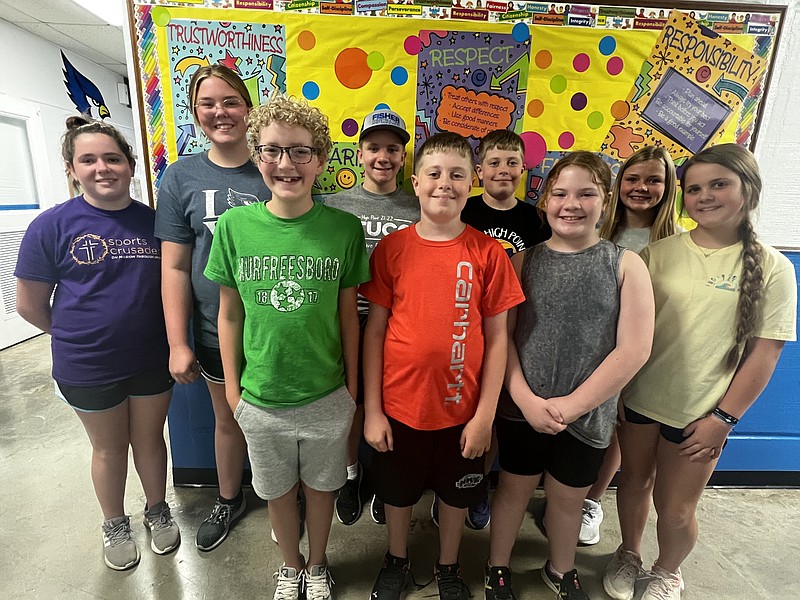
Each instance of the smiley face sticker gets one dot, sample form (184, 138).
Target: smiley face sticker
(346, 178)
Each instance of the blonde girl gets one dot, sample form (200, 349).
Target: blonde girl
(583, 331)
(642, 210)
(642, 207)
(725, 305)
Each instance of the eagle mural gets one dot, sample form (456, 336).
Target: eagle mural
(83, 93)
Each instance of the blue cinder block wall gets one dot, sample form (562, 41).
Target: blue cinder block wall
(768, 438)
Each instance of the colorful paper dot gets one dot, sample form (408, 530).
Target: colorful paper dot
(412, 45)
(620, 109)
(535, 108)
(306, 40)
(520, 32)
(615, 65)
(310, 90)
(607, 45)
(535, 148)
(349, 127)
(351, 68)
(558, 84)
(581, 62)
(375, 61)
(578, 101)
(161, 16)
(399, 76)
(566, 140)
(543, 59)
(595, 120)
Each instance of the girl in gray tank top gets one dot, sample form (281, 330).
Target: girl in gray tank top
(583, 332)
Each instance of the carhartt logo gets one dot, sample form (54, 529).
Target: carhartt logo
(458, 349)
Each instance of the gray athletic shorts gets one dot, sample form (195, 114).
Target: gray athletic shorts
(308, 443)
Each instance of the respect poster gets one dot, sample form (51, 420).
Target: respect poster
(470, 83)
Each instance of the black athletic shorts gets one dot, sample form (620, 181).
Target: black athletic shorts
(210, 361)
(97, 398)
(525, 451)
(427, 460)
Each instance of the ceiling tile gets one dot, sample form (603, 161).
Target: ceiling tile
(105, 39)
(55, 11)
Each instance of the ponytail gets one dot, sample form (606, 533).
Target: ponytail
(751, 288)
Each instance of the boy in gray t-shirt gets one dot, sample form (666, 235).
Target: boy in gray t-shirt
(383, 207)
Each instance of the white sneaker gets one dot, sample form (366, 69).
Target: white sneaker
(621, 574)
(590, 523)
(663, 585)
(318, 583)
(288, 583)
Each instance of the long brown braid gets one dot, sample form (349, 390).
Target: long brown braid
(751, 284)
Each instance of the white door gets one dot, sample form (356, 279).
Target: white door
(22, 181)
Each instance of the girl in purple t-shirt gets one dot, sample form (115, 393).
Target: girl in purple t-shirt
(99, 255)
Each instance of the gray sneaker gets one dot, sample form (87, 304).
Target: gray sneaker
(120, 551)
(164, 533)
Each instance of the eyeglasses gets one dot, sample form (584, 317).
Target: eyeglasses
(207, 106)
(299, 155)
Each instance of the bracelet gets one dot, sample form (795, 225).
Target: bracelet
(726, 418)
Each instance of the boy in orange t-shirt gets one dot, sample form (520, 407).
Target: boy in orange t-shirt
(434, 358)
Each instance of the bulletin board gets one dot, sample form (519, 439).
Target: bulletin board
(605, 78)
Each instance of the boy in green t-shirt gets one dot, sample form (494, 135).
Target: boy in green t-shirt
(288, 330)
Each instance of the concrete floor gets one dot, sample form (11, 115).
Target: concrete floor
(52, 548)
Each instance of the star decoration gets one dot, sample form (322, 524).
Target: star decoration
(248, 27)
(249, 60)
(231, 61)
(452, 40)
(690, 70)
(278, 28)
(331, 169)
(424, 64)
(439, 75)
(177, 80)
(175, 49)
(648, 132)
(487, 39)
(467, 71)
(456, 77)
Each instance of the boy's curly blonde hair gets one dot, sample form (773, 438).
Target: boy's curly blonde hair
(290, 111)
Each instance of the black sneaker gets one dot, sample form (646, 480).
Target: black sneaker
(498, 584)
(568, 588)
(377, 511)
(451, 586)
(214, 529)
(348, 501)
(392, 579)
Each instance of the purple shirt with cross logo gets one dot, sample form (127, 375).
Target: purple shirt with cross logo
(107, 320)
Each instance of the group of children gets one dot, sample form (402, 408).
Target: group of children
(427, 335)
